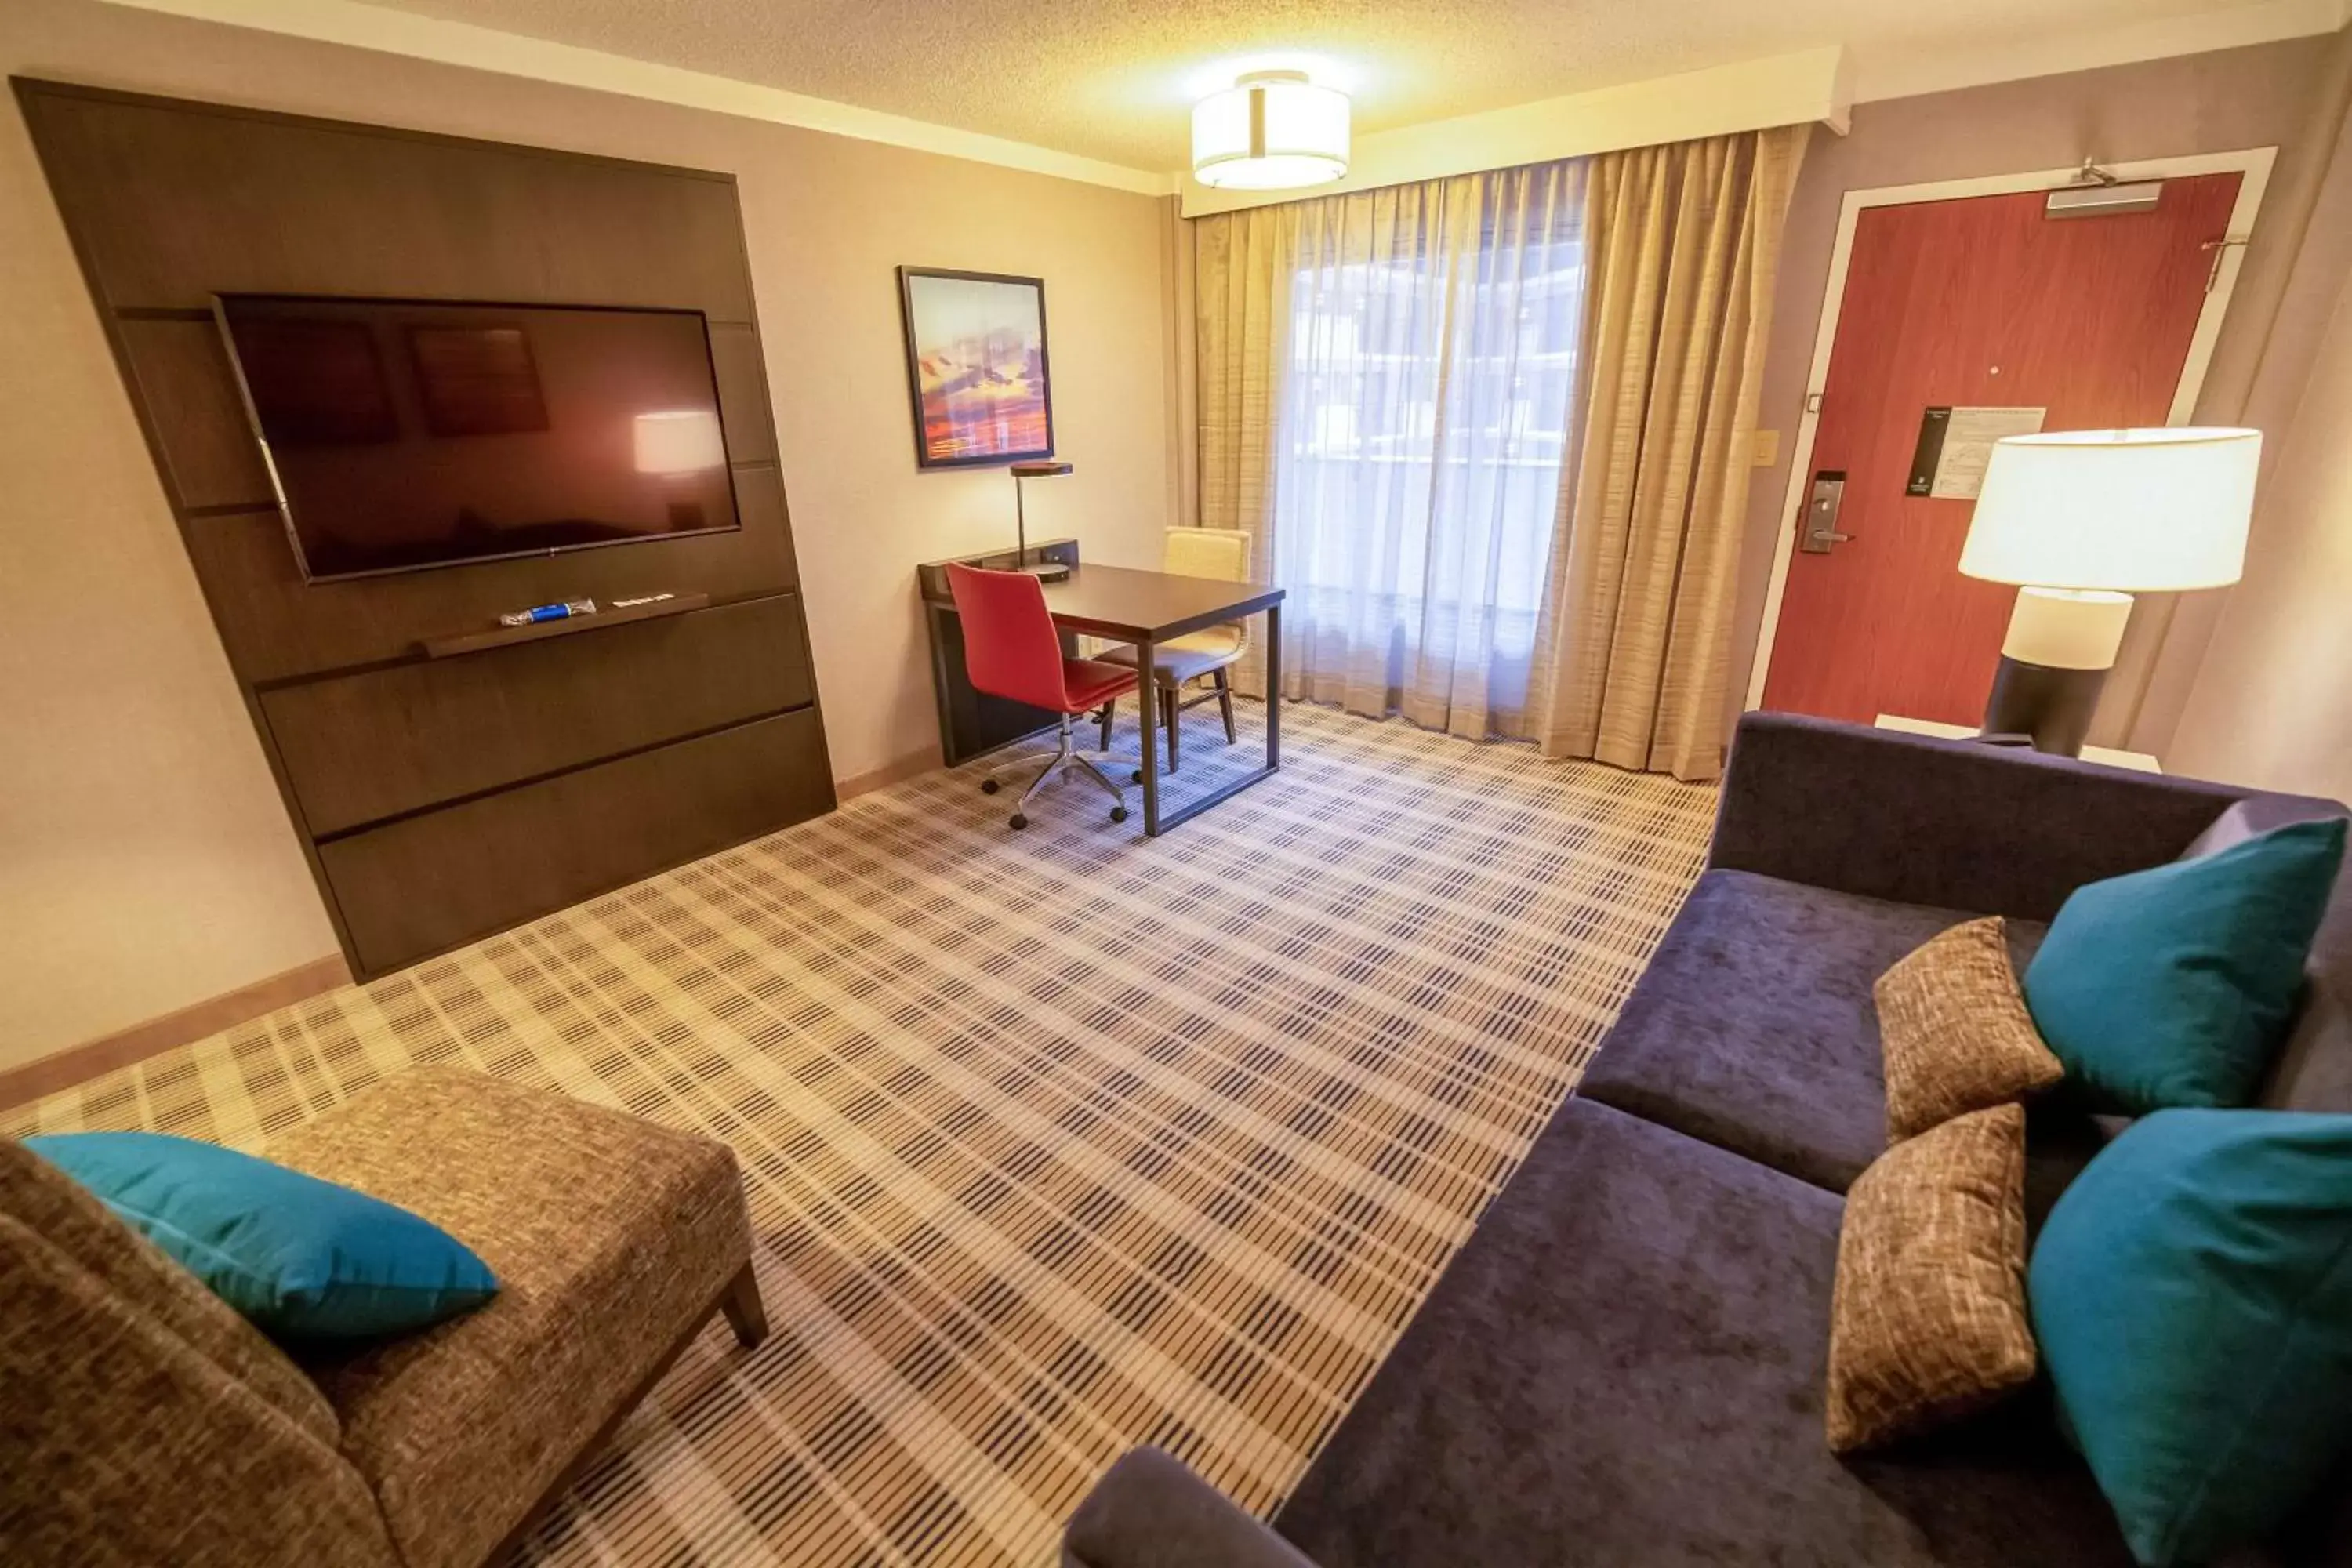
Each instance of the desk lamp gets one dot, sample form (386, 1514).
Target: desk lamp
(2081, 520)
(1040, 469)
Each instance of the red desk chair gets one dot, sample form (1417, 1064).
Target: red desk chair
(1011, 649)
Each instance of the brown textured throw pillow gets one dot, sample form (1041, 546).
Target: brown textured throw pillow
(1927, 1322)
(1955, 1034)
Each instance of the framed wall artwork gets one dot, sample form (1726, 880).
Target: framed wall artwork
(976, 370)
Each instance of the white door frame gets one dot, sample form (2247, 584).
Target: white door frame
(2254, 163)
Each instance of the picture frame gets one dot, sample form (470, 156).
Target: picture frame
(979, 378)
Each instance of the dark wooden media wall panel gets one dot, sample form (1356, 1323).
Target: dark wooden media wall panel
(444, 789)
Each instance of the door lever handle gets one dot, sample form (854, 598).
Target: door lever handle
(1821, 530)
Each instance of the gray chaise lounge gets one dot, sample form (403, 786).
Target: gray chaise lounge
(1625, 1365)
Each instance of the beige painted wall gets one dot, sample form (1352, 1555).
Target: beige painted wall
(2214, 102)
(2271, 703)
(146, 862)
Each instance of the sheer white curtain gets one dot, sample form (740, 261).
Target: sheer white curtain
(1424, 359)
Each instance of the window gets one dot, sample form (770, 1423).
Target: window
(1424, 413)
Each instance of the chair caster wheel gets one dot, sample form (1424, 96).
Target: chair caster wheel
(1019, 820)
(988, 786)
(1118, 813)
(1137, 776)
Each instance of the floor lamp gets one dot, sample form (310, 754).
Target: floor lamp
(2081, 520)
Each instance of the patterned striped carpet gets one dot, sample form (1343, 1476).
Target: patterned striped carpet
(1056, 1141)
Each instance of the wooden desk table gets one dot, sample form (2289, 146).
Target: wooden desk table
(1147, 609)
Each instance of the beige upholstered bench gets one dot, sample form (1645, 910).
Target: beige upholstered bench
(145, 1422)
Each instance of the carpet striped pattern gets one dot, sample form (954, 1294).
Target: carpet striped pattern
(1055, 1141)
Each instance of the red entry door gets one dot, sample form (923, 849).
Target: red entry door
(1982, 301)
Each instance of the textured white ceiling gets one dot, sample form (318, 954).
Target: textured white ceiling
(1114, 79)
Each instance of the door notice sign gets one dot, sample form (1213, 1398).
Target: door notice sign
(1955, 444)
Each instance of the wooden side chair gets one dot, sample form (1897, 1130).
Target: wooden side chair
(1222, 554)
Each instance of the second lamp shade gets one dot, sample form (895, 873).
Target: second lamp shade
(2144, 511)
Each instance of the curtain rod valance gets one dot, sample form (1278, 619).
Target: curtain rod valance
(1806, 88)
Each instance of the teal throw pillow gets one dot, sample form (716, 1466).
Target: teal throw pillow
(2176, 986)
(302, 1257)
(2192, 1293)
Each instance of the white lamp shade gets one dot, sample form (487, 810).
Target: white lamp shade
(1270, 131)
(685, 441)
(2141, 511)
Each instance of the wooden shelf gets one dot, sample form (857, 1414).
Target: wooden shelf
(455, 643)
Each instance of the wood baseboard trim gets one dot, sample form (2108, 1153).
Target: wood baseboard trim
(78, 1064)
(890, 772)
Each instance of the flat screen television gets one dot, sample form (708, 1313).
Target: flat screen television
(403, 434)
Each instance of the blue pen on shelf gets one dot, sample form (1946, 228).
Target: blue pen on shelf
(564, 611)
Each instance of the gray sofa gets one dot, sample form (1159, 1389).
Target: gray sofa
(1625, 1363)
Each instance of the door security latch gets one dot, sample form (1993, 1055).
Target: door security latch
(1821, 514)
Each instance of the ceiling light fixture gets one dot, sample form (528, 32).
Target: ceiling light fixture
(1270, 131)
